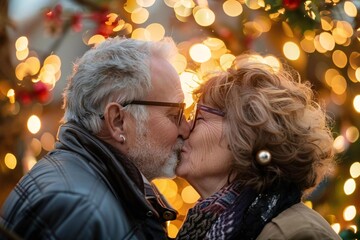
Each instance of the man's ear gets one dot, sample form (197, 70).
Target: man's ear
(114, 121)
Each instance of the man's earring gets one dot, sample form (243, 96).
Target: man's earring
(122, 139)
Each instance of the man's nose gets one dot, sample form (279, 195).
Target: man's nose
(184, 128)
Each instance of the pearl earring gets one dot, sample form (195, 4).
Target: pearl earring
(263, 157)
(122, 139)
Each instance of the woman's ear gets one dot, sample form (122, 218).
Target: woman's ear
(114, 121)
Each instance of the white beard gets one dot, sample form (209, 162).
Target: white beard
(154, 161)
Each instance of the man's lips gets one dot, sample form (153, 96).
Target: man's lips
(183, 150)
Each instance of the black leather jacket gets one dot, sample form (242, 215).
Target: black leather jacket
(82, 190)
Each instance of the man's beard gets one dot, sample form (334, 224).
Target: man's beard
(153, 160)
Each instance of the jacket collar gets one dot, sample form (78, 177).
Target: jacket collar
(115, 169)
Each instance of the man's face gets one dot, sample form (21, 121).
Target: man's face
(157, 148)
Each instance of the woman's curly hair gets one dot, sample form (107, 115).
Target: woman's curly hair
(274, 111)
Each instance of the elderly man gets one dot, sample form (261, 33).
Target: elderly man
(123, 126)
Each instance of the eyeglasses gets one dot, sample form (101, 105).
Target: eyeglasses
(197, 108)
(181, 107)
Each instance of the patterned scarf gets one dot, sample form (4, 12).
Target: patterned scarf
(236, 213)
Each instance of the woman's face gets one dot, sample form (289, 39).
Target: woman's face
(205, 157)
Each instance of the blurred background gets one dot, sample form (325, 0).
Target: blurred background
(40, 40)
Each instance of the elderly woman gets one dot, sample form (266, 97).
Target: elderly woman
(259, 143)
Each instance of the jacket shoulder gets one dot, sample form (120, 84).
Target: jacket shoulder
(298, 222)
(59, 198)
(64, 215)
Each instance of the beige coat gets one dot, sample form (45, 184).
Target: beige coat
(298, 222)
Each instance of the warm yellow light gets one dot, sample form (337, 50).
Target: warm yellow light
(352, 134)
(171, 189)
(326, 23)
(34, 124)
(327, 41)
(175, 200)
(287, 29)
(217, 47)
(254, 4)
(183, 9)
(232, 8)
(339, 84)
(350, 9)
(349, 186)
(339, 58)
(307, 45)
(29, 161)
(200, 53)
(172, 230)
(355, 170)
(22, 70)
(214, 43)
(336, 227)
(189, 195)
(204, 17)
(354, 227)
(145, 3)
(131, 6)
(54, 61)
(180, 63)
(264, 23)
(291, 51)
(96, 39)
(170, 3)
(161, 184)
(189, 81)
(356, 103)
(344, 29)
(226, 61)
(119, 26)
(11, 95)
(111, 18)
(156, 31)
(339, 144)
(21, 55)
(140, 15)
(329, 75)
(210, 66)
(21, 43)
(140, 33)
(309, 204)
(357, 74)
(10, 161)
(47, 75)
(349, 213)
(318, 46)
(354, 59)
(33, 65)
(339, 36)
(273, 62)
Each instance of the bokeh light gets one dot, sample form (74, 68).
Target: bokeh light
(291, 51)
(355, 170)
(349, 213)
(204, 17)
(10, 161)
(34, 124)
(232, 8)
(200, 53)
(349, 186)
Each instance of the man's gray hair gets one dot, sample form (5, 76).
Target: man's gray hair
(116, 70)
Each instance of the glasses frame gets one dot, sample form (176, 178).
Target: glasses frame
(199, 107)
(181, 107)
